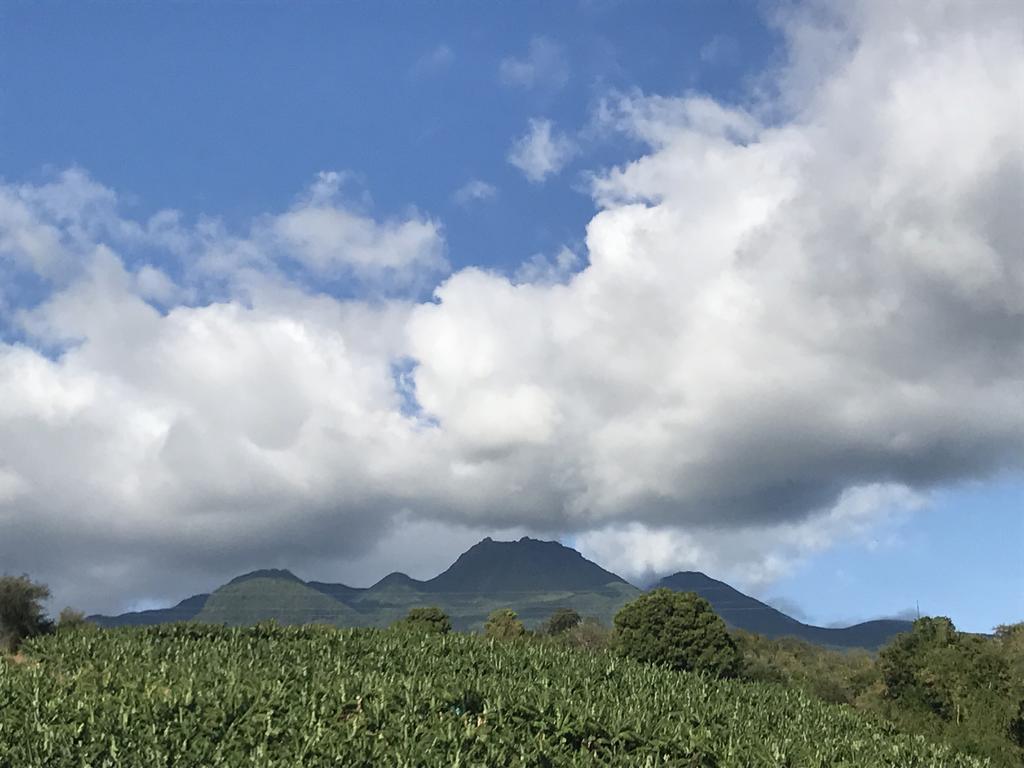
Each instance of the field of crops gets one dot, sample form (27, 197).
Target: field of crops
(181, 695)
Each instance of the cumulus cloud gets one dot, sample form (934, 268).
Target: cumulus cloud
(791, 322)
(329, 238)
(544, 66)
(542, 151)
(541, 269)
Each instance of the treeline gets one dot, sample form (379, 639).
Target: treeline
(957, 687)
(964, 689)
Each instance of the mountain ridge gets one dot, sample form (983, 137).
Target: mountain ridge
(745, 612)
(531, 576)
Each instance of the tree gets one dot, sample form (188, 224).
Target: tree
(561, 621)
(71, 620)
(21, 610)
(917, 667)
(589, 633)
(679, 630)
(504, 624)
(956, 686)
(428, 620)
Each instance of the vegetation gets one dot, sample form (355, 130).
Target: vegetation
(965, 689)
(315, 696)
(561, 621)
(589, 633)
(960, 688)
(504, 624)
(838, 677)
(71, 620)
(428, 620)
(21, 611)
(679, 630)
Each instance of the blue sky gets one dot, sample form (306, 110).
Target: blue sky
(666, 123)
(954, 559)
(207, 108)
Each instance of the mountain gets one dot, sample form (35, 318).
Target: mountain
(742, 611)
(532, 577)
(527, 565)
(267, 573)
(186, 610)
(278, 597)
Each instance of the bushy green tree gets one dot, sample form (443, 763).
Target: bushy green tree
(428, 620)
(71, 620)
(679, 630)
(21, 610)
(561, 621)
(504, 624)
(954, 686)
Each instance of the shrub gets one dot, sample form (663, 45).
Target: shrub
(589, 633)
(561, 621)
(429, 620)
(679, 630)
(21, 610)
(71, 620)
(504, 624)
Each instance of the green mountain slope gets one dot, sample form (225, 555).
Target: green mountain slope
(287, 601)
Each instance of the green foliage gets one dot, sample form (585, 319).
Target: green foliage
(280, 697)
(838, 677)
(959, 687)
(429, 620)
(679, 630)
(21, 610)
(561, 621)
(504, 624)
(71, 620)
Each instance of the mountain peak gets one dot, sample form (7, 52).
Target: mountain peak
(690, 577)
(267, 573)
(397, 579)
(521, 566)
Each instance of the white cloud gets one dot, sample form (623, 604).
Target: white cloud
(542, 151)
(750, 556)
(329, 238)
(786, 327)
(544, 66)
(154, 284)
(474, 190)
(540, 269)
